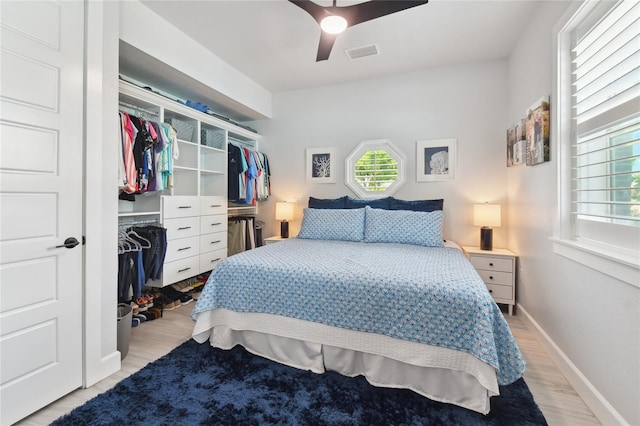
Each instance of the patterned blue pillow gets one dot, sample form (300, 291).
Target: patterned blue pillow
(333, 224)
(403, 227)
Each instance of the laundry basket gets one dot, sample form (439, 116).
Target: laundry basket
(124, 328)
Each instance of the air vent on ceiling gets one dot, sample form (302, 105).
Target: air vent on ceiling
(361, 52)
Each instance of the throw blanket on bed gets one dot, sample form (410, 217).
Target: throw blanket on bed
(427, 295)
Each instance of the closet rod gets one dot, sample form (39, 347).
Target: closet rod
(137, 108)
(249, 144)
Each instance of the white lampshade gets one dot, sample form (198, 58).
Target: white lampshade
(333, 24)
(284, 211)
(486, 215)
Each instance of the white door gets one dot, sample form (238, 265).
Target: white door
(41, 193)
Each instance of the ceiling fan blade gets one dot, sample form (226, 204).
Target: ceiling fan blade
(362, 12)
(317, 12)
(326, 44)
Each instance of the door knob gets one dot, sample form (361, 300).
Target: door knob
(69, 243)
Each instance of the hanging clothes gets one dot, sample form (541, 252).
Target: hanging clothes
(249, 175)
(141, 253)
(241, 234)
(147, 152)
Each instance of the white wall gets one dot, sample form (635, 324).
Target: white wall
(101, 357)
(466, 102)
(593, 318)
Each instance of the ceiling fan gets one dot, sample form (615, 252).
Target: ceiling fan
(335, 19)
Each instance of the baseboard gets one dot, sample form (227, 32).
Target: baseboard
(102, 369)
(589, 394)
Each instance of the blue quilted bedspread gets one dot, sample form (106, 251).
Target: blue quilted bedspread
(422, 294)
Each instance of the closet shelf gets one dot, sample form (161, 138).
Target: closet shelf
(193, 169)
(212, 172)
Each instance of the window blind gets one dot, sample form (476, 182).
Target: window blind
(376, 170)
(606, 116)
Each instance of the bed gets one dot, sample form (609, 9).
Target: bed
(366, 291)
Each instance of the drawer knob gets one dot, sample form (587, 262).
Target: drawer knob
(216, 205)
(491, 264)
(184, 248)
(215, 242)
(182, 228)
(184, 270)
(490, 277)
(184, 207)
(490, 291)
(215, 260)
(216, 224)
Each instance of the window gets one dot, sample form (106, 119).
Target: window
(598, 128)
(375, 169)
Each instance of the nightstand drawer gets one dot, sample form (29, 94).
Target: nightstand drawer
(491, 263)
(501, 292)
(495, 277)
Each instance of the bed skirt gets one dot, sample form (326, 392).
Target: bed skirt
(437, 373)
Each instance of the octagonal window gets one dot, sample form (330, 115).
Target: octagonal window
(375, 169)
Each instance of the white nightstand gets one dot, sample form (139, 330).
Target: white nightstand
(497, 268)
(272, 240)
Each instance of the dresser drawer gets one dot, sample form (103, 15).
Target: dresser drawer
(180, 269)
(213, 205)
(182, 227)
(501, 293)
(495, 277)
(211, 242)
(491, 263)
(213, 223)
(208, 261)
(181, 248)
(180, 206)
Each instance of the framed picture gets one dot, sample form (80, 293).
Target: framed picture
(321, 165)
(436, 160)
(517, 144)
(538, 132)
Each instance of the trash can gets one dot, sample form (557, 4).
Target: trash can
(124, 328)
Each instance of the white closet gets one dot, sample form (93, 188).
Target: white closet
(194, 211)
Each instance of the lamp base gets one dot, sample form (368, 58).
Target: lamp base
(486, 238)
(284, 229)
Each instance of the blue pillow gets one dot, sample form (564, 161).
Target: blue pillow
(416, 205)
(328, 203)
(332, 224)
(403, 227)
(376, 203)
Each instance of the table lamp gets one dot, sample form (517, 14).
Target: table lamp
(486, 215)
(284, 212)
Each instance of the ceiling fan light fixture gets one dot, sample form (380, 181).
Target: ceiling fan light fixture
(333, 24)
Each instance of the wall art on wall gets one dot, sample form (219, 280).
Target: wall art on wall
(435, 160)
(517, 144)
(321, 165)
(538, 132)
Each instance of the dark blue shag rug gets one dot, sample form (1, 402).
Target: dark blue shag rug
(199, 385)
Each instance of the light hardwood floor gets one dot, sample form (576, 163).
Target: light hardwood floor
(555, 397)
